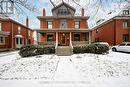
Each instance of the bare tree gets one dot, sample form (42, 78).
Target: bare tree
(8, 7)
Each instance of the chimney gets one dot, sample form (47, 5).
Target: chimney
(27, 22)
(44, 12)
(82, 12)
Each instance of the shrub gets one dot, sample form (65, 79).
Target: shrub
(32, 50)
(92, 48)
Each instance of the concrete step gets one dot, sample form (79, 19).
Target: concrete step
(64, 51)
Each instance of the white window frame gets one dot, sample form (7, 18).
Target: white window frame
(2, 43)
(77, 24)
(19, 42)
(19, 30)
(126, 12)
(49, 24)
(125, 24)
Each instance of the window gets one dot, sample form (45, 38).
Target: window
(19, 41)
(123, 44)
(0, 26)
(96, 30)
(49, 37)
(128, 44)
(49, 24)
(19, 29)
(29, 33)
(63, 12)
(63, 24)
(125, 24)
(125, 12)
(77, 24)
(2, 40)
(76, 37)
(126, 38)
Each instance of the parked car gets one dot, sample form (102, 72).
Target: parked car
(102, 43)
(123, 47)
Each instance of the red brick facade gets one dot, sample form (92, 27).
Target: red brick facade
(112, 31)
(57, 33)
(15, 30)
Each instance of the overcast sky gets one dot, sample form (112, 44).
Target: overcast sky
(89, 6)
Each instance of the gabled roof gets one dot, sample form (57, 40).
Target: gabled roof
(63, 3)
(9, 19)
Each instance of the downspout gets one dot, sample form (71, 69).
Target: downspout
(12, 35)
(114, 32)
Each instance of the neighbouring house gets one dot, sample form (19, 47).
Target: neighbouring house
(115, 30)
(64, 28)
(14, 34)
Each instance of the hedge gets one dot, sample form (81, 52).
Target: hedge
(92, 48)
(33, 50)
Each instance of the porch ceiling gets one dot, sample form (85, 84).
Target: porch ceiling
(62, 30)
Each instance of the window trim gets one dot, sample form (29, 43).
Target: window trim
(125, 24)
(52, 37)
(19, 41)
(19, 30)
(49, 24)
(77, 25)
(79, 37)
(124, 37)
(2, 43)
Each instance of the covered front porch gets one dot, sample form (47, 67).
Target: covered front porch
(64, 37)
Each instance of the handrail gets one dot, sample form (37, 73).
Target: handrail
(56, 46)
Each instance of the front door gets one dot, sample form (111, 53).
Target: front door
(64, 39)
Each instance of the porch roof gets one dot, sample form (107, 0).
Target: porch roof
(62, 30)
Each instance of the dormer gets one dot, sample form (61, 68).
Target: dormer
(126, 12)
(63, 10)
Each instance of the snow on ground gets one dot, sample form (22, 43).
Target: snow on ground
(78, 70)
(97, 66)
(29, 68)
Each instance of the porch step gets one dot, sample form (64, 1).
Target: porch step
(64, 51)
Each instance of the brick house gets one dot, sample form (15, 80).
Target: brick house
(13, 34)
(63, 28)
(115, 30)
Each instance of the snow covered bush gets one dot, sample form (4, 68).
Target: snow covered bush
(92, 48)
(32, 50)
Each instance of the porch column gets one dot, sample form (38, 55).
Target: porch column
(56, 40)
(70, 40)
(90, 37)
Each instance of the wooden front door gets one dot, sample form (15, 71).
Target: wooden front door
(64, 39)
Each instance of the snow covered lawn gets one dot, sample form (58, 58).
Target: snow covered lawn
(78, 70)
(37, 67)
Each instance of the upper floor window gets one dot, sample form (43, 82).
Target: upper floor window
(77, 24)
(19, 29)
(96, 30)
(125, 24)
(63, 24)
(49, 24)
(29, 33)
(2, 40)
(125, 12)
(0, 26)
